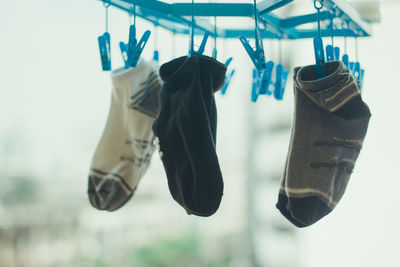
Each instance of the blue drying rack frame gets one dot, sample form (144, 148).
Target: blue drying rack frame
(176, 18)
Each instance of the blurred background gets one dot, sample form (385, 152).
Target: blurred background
(54, 102)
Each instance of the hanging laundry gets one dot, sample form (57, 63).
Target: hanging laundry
(186, 132)
(329, 127)
(123, 154)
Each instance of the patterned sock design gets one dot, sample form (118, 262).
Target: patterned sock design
(329, 127)
(124, 151)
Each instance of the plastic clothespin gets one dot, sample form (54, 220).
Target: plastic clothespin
(361, 81)
(156, 55)
(257, 56)
(332, 53)
(105, 43)
(228, 78)
(266, 79)
(345, 60)
(280, 83)
(201, 49)
(319, 57)
(329, 53)
(105, 51)
(357, 72)
(336, 53)
(132, 51)
(202, 46)
(351, 68)
(255, 86)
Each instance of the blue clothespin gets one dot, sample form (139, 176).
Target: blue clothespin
(266, 79)
(255, 86)
(319, 46)
(361, 81)
(201, 49)
(132, 51)
(358, 72)
(280, 83)
(257, 55)
(329, 53)
(105, 44)
(337, 53)
(228, 78)
(202, 46)
(319, 57)
(345, 60)
(351, 68)
(332, 53)
(105, 51)
(281, 75)
(156, 54)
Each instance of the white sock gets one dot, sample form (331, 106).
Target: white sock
(123, 154)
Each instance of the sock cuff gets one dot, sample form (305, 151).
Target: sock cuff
(122, 77)
(331, 92)
(179, 73)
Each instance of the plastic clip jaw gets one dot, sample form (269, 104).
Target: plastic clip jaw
(156, 56)
(332, 53)
(329, 53)
(257, 56)
(345, 60)
(266, 79)
(202, 47)
(319, 57)
(132, 51)
(229, 77)
(280, 83)
(255, 86)
(336, 51)
(105, 51)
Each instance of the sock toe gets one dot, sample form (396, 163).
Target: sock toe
(284, 208)
(108, 194)
(308, 210)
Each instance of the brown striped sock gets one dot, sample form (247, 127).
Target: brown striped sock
(330, 124)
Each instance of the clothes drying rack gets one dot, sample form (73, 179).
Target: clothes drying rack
(347, 22)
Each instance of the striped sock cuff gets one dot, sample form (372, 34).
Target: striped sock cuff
(331, 92)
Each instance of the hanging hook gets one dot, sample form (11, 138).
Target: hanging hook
(106, 4)
(156, 53)
(329, 47)
(132, 13)
(192, 31)
(345, 57)
(199, 52)
(318, 44)
(215, 38)
(104, 43)
(281, 75)
(318, 8)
